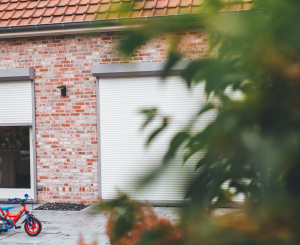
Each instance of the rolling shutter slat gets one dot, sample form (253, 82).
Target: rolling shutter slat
(15, 103)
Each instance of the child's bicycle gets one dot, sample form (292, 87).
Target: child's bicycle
(32, 225)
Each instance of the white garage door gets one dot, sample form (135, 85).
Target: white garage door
(124, 157)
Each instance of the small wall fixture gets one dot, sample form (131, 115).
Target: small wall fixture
(63, 89)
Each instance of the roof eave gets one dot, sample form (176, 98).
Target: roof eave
(76, 27)
(62, 28)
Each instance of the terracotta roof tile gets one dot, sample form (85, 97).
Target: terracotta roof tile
(78, 18)
(60, 11)
(45, 20)
(24, 21)
(17, 14)
(149, 4)
(32, 4)
(171, 11)
(105, 1)
(3, 6)
(14, 22)
(174, 3)
(63, 3)
(52, 3)
(148, 13)
(42, 4)
(159, 12)
(104, 7)
(90, 17)
(12, 6)
(74, 2)
(3, 22)
(185, 3)
(22, 5)
(24, 12)
(28, 13)
(138, 5)
(162, 4)
(135, 13)
(93, 8)
(35, 21)
(68, 18)
(81, 9)
(49, 12)
(56, 19)
(95, 1)
(84, 2)
(38, 12)
(7, 15)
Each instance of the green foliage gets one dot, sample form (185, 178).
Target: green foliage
(255, 138)
(253, 143)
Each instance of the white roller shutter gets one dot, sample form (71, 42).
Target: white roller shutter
(124, 157)
(15, 102)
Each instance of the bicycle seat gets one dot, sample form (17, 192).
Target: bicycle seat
(4, 207)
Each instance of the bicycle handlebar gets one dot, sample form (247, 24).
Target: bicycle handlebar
(19, 199)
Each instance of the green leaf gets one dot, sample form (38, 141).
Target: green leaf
(176, 142)
(193, 68)
(209, 158)
(157, 131)
(206, 108)
(150, 115)
(173, 58)
(191, 151)
(132, 41)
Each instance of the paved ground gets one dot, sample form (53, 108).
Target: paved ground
(64, 227)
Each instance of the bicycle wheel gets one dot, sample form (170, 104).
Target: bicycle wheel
(36, 226)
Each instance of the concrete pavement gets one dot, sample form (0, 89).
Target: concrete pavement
(64, 227)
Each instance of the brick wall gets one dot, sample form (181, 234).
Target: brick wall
(66, 127)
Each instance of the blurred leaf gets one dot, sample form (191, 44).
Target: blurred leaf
(191, 151)
(150, 115)
(157, 131)
(206, 108)
(173, 58)
(132, 40)
(175, 144)
(193, 68)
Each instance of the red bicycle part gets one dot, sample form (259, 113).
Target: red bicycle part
(35, 228)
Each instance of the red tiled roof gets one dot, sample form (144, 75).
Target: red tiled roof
(22, 12)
